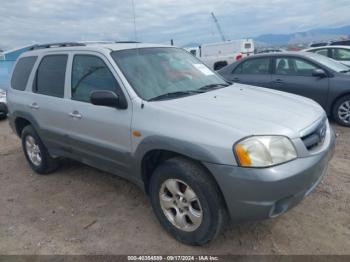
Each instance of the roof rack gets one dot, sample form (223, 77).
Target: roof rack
(127, 42)
(52, 45)
(70, 44)
(96, 42)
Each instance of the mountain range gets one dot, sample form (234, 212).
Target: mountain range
(314, 35)
(306, 37)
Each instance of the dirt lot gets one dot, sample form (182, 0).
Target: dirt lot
(80, 210)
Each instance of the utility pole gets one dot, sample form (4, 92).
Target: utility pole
(218, 27)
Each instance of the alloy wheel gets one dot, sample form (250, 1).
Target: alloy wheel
(33, 150)
(180, 205)
(344, 112)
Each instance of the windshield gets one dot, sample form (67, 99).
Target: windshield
(155, 72)
(330, 63)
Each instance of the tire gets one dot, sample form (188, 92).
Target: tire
(341, 111)
(30, 139)
(211, 215)
(2, 116)
(3, 111)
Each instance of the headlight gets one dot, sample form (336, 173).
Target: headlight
(263, 151)
(2, 93)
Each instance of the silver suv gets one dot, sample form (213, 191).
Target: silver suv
(203, 150)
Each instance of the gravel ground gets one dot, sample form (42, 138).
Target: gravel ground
(80, 210)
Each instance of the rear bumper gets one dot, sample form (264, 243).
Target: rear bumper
(255, 194)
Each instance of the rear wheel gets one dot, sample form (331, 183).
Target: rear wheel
(187, 201)
(3, 111)
(36, 153)
(341, 111)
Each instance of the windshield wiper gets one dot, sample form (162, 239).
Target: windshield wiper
(203, 89)
(212, 87)
(175, 94)
(344, 71)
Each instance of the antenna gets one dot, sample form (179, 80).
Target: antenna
(218, 27)
(134, 14)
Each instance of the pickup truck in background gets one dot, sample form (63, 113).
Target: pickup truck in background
(221, 54)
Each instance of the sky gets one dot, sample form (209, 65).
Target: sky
(23, 22)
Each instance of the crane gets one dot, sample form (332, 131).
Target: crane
(218, 27)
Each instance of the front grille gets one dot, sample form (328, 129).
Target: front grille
(316, 136)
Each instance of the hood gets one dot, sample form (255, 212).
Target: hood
(251, 110)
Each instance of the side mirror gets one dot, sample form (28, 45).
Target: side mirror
(319, 73)
(107, 98)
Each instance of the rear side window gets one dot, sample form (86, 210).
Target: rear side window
(50, 76)
(254, 67)
(22, 71)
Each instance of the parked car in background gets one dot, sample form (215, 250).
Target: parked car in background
(203, 151)
(319, 44)
(341, 42)
(218, 55)
(336, 42)
(339, 53)
(311, 75)
(3, 104)
(269, 50)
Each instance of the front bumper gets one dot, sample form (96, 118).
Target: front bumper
(260, 193)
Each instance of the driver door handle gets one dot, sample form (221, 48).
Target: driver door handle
(34, 106)
(236, 79)
(279, 81)
(75, 114)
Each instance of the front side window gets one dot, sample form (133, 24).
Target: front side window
(155, 72)
(341, 54)
(22, 71)
(50, 76)
(294, 67)
(255, 67)
(90, 73)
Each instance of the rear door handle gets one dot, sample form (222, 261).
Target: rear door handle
(75, 114)
(279, 81)
(34, 106)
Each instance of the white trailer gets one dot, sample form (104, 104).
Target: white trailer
(218, 55)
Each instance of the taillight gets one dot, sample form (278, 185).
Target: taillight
(239, 57)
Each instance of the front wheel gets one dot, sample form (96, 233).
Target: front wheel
(187, 201)
(341, 111)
